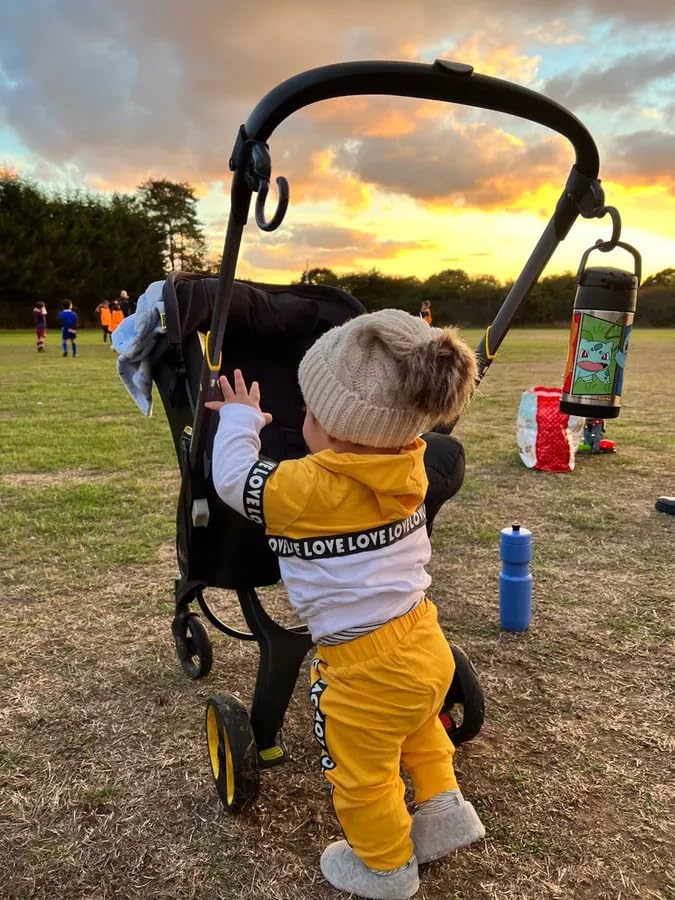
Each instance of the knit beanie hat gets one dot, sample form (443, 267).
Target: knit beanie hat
(383, 378)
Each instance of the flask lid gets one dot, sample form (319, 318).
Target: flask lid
(609, 278)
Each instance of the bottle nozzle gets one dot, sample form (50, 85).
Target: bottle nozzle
(516, 526)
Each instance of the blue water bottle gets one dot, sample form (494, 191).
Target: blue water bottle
(515, 581)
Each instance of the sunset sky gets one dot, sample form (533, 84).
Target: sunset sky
(103, 95)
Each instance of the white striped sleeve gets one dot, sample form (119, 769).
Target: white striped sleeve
(237, 471)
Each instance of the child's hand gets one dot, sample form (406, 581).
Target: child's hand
(240, 394)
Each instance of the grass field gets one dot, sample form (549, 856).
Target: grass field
(105, 789)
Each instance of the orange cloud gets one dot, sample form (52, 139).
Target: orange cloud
(367, 116)
(487, 52)
(128, 181)
(380, 116)
(333, 246)
(435, 111)
(323, 181)
(8, 172)
(339, 109)
(393, 123)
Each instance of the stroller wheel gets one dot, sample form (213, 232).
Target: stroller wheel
(464, 709)
(193, 646)
(232, 751)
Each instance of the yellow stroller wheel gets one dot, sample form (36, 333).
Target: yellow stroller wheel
(232, 751)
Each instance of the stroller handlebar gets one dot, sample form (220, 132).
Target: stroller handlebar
(443, 80)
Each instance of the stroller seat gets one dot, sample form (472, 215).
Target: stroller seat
(269, 329)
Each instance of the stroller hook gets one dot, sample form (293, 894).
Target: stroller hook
(606, 246)
(282, 205)
(611, 244)
(258, 170)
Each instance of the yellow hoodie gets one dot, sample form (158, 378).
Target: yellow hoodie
(348, 528)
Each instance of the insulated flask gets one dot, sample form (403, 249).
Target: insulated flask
(602, 321)
(515, 581)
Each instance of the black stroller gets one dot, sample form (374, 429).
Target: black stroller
(269, 330)
(265, 330)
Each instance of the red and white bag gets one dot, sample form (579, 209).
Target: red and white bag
(547, 438)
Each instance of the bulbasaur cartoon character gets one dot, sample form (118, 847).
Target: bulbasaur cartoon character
(595, 363)
(593, 360)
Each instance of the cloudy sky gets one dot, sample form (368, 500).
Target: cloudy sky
(103, 94)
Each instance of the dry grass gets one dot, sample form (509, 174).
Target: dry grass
(52, 479)
(105, 786)
(70, 477)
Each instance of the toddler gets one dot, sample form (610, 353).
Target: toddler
(347, 522)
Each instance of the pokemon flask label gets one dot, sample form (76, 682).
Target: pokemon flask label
(597, 357)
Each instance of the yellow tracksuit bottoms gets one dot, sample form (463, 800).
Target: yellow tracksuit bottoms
(376, 702)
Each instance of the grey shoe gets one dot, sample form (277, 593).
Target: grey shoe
(345, 871)
(436, 832)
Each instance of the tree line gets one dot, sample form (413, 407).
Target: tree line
(466, 300)
(87, 248)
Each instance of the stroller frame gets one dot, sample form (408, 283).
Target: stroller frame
(232, 742)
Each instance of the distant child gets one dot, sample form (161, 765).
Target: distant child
(116, 315)
(103, 310)
(127, 305)
(68, 318)
(425, 311)
(347, 522)
(40, 319)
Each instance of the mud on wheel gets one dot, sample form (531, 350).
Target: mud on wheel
(232, 751)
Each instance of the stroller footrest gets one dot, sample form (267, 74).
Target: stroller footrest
(272, 756)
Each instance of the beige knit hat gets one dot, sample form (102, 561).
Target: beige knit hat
(383, 378)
